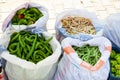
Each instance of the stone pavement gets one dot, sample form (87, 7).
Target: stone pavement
(102, 8)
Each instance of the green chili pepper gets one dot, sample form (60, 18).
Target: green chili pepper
(36, 55)
(22, 21)
(28, 39)
(48, 40)
(21, 11)
(14, 37)
(29, 46)
(34, 9)
(19, 51)
(13, 48)
(14, 20)
(28, 16)
(23, 57)
(22, 32)
(21, 42)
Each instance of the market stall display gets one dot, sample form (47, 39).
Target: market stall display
(26, 47)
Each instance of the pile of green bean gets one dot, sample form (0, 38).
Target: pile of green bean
(89, 54)
(29, 46)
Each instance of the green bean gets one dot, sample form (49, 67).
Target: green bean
(41, 47)
(42, 54)
(14, 37)
(48, 40)
(47, 54)
(13, 48)
(19, 52)
(28, 47)
(33, 47)
(21, 42)
(90, 54)
(22, 32)
(37, 45)
(37, 56)
(48, 49)
(13, 52)
(34, 55)
(28, 39)
(23, 57)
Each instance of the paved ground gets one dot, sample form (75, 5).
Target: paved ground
(102, 8)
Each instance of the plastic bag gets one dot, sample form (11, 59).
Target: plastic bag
(41, 22)
(71, 67)
(19, 69)
(111, 76)
(61, 32)
(112, 30)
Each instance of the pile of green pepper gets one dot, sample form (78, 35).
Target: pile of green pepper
(26, 16)
(115, 63)
(89, 54)
(29, 46)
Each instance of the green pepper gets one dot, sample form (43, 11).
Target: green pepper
(14, 19)
(14, 36)
(31, 22)
(22, 21)
(26, 16)
(21, 11)
(13, 48)
(35, 10)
